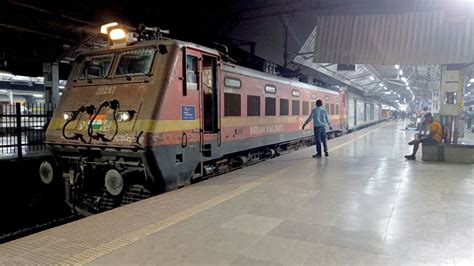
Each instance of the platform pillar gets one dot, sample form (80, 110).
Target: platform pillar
(451, 98)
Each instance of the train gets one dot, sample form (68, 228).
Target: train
(149, 114)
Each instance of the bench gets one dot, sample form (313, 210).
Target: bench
(455, 153)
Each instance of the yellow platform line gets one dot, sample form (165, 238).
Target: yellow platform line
(358, 137)
(125, 240)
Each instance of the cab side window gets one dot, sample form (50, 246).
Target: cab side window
(191, 70)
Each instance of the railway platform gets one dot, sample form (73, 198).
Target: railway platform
(365, 204)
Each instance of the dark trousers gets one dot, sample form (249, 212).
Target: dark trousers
(320, 136)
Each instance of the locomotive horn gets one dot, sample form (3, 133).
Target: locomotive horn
(150, 33)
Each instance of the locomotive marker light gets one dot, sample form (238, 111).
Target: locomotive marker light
(124, 116)
(68, 115)
(46, 172)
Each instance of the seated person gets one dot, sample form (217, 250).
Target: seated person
(435, 136)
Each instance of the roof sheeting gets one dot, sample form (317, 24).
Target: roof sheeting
(417, 38)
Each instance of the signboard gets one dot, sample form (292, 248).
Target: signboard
(188, 112)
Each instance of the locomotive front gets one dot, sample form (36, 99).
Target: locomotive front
(98, 133)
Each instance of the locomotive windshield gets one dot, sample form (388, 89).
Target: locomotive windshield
(96, 66)
(135, 61)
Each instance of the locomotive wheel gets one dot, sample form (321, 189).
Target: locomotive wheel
(113, 182)
(46, 172)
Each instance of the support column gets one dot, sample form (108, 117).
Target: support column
(51, 82)
(10, 97)
(451, 96)
(55, 81)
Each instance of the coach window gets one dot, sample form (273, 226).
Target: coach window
(332, 109)
(295, 107)
(284, 107)
(232, 104)
(191, 71)
(337, 109)
(253, 105)
(313, 104)
(305, 108)
(326, 106)
(270, 106)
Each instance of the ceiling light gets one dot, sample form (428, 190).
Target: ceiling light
(471, 80)
(385, 88)
(38, 95)
(372, 77)
(400, 72)
(397, 66)
(408, 88)
(404, 79)
(469, 85)
(381, 84)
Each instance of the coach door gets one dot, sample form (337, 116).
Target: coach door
(210, 127)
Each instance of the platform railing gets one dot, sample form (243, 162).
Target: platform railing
(23, 127)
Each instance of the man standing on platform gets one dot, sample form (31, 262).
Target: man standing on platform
(320, 120)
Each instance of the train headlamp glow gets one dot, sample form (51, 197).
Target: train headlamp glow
(104, 29)
(68, 116)
(117, 34)
(124, 116)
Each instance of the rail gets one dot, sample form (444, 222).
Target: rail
(22, 128)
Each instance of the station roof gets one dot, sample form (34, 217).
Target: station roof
(34, 32)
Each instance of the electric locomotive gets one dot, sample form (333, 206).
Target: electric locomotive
(149, 114)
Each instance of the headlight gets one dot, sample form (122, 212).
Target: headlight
(124, 116)
(68, 116)
(117, 34)
(104, 29)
